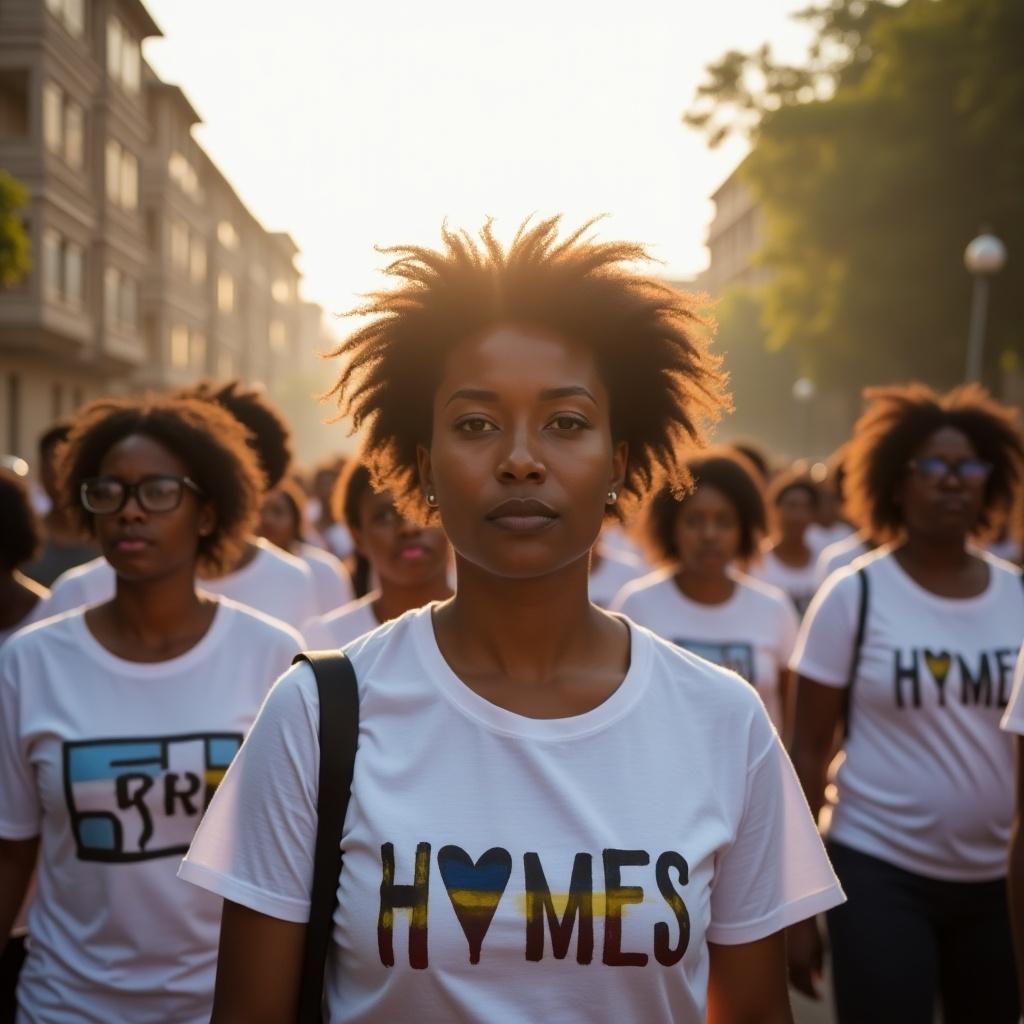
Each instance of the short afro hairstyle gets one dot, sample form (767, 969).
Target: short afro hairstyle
(898, 421)
(354, 482)
(269, 434)
(54, 435)
(19, 539)
(648, 339)
(796, 478)
(726, 471)
(212, 444)
(291, 490)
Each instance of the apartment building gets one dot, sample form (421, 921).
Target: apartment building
(734, 238)
(148, 270)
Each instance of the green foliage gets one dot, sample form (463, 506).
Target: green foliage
(15, 259)
(871, 192)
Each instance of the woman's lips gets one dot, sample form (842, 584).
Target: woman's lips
(131, 545)
(413, 553)
(522, 523)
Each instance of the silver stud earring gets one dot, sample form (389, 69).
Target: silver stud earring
(613, 496)
(431, 499)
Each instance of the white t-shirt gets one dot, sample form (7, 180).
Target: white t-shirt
(927, 781)
(40, 611)
(339, 540)
(752, 633)
(838, 555)
(820, 537)
(111, 763)
(1013, 719)
(343, 625)
(274, 582)
(798, 584)
(331, 580)
(670, 813)
(613, 572)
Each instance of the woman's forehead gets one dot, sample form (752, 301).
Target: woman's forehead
(140, 451)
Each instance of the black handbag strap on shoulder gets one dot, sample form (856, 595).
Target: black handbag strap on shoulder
(339, 733)
(858, 643)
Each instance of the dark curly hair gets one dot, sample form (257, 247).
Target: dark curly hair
(726, 471)
(795, 478)
(897, 421)
(269, 434)
(648, 341)
(211, 442)
(346, 498)
(19, 537)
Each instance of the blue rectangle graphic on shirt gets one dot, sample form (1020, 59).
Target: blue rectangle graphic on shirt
(734, 655)
(138, 798)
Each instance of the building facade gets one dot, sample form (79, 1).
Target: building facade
(148, 270)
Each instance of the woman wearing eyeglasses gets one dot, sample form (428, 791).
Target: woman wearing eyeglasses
(923, 801)
(117, 722)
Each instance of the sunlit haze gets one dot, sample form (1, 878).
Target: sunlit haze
(352, 125)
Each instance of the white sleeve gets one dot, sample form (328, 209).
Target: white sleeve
(1013, 717)
(776, 871)
(824, 645)
(255, 843)
(20, 809)
(65, 594)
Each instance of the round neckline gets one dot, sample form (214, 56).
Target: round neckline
(942, 600)
(719, 606)
(169, 666)
(498, 719)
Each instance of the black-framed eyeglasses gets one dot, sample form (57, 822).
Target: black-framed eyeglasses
(933, 469)
(105, 495)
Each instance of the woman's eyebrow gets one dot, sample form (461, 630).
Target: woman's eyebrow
(573, 391)
(547, 395)
(474, 395)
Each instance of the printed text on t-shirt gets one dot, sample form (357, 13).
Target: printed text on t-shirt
(985, 677)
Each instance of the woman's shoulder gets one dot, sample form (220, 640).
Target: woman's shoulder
(255, 624)
(642, 588)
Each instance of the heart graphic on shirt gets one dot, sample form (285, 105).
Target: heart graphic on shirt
(475, 889)
(938, 665)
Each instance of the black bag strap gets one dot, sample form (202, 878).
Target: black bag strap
(339, 732)
(858, 643)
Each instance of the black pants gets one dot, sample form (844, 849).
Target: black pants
(903, 944)
(10, 964)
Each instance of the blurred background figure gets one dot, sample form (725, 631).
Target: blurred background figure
(908, 654)
(22, 599)
(701, 599)
(829, 526)
(408, 563)
(63, 545)
(334, 534)
(283, 522)
(615, 561)
(786, 559)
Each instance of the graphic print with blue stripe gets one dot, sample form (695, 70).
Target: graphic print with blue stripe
(140, 798)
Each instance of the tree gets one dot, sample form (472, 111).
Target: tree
(876, 163)
(15, 261)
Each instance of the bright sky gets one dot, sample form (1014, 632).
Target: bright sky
(352, 124)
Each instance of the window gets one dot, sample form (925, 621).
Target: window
(226, 235)
(282, 290)
(113, 171)
(225, 292)
(183, 174)
(74, 134)
(199, 350)
(123, 59)
(197, 260)
(70, 13)
(52, 263)
(14, 104)
(53, 117)
(179, 245)
(120, 300)
(129, 181)
(179, 346)
(74, 260)
(63, 125)
(63, 266)
(278, 336)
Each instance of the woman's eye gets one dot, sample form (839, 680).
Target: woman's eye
(569, 423)
(474, 425)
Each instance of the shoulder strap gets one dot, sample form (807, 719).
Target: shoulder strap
(858, 643)
(339, 732)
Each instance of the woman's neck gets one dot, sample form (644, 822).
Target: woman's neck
(943, 565)
(155, 619)
(396, 600)
(792, 551)
(704, 588)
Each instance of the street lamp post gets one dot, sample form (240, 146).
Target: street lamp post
(983, 257)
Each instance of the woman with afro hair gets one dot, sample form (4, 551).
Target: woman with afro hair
(118, 720)
(586, 822)
(909, 651)
(701, 599)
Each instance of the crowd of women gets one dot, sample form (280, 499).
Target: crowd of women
(610, 680)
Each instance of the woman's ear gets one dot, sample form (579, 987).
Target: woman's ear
(425, 472)
(207, 519)
(620, 461)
